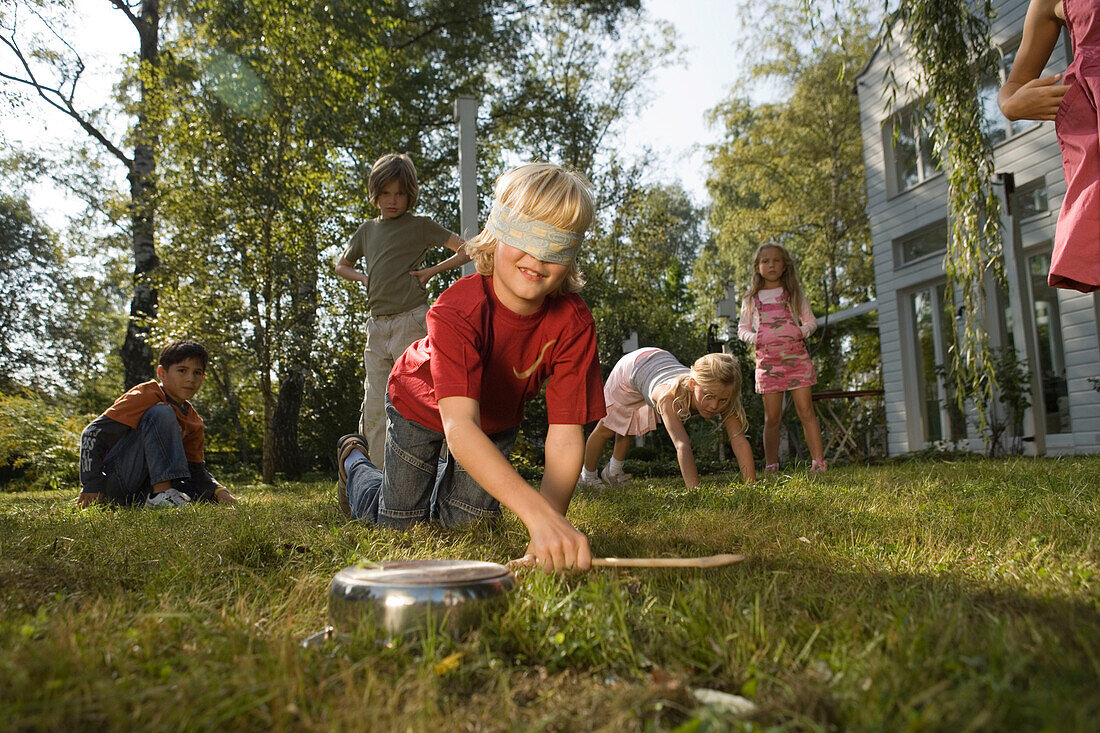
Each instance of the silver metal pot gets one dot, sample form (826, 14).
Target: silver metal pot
(399, 596)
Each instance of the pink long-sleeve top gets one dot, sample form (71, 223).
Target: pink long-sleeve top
(749, 322)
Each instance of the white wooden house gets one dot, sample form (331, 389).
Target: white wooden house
(1054, 330)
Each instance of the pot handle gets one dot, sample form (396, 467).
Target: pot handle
(712, 561)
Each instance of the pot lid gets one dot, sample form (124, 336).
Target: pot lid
(425, 572)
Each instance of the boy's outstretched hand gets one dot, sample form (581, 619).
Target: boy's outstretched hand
(556, 545)
(86, 498)
(223, 496)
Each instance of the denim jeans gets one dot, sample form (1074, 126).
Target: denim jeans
(417, 484)
(148, 455)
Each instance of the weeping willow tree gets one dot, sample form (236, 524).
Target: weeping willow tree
(949, 41)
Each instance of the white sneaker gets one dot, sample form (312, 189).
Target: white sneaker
(615, 479)
(170, 499)
(592, 479)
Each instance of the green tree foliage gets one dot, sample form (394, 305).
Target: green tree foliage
(39, 442)
(274, 116)
(792, 172)
(41, 62)
(54, 320)
(29, 262)
(268, 102)
(638, 272)
(573, 79)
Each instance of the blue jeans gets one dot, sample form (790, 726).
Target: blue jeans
(148, 455)
(418, 485)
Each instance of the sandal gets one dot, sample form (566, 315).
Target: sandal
(344, 446)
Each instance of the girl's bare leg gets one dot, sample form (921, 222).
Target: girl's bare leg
(593, 447)
(622, 445)
(773, 417)
(803, 404)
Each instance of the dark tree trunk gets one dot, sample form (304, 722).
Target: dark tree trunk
(137, 354)
(288, 407)
(288, 458)
(267, 465)
(263, 352)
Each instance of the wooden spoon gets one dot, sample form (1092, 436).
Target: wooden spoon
(713, 561)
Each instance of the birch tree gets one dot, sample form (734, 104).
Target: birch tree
(41, 61)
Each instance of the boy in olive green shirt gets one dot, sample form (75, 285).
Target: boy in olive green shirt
(392, 246)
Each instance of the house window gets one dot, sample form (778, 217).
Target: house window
(1031, 199)
(940, 419)
(1052, 355)
(910, 148)
(996, 127)
(928, 382)
(927, 241)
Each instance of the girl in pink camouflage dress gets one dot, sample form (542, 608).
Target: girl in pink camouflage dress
(776, 318)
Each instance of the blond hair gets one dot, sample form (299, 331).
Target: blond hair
(545, 192)
(389, 168)
(788, 280)
(710, 371)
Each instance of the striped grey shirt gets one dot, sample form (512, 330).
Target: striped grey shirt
(654, 369)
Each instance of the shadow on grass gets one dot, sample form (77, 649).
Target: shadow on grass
(842, 648)
(839, 618)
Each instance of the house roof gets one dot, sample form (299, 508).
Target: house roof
(893, 22)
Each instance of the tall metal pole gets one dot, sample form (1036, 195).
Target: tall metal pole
(466, 117)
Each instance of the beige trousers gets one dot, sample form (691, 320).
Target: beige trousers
(387, 339)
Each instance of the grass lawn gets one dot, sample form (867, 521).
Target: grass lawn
(912, 596)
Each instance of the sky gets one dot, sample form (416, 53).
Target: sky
(100, 33)
(672, 125)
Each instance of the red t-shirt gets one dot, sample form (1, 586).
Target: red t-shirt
(129, 408)
(555, 346)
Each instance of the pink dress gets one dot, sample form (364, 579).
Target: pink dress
(1075, 263)
(782, 362)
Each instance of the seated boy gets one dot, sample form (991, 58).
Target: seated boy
(147, 447)
(391, 246)
(494, 338)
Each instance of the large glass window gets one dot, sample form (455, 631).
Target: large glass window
(1052, 356)
(1032, 199)
(995, 125)
(910, 148)
(940, 417)
(927, 380)
(921, 243)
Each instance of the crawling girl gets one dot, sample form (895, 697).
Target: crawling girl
(648, 385)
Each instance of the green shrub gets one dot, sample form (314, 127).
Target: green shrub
(39, 443)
